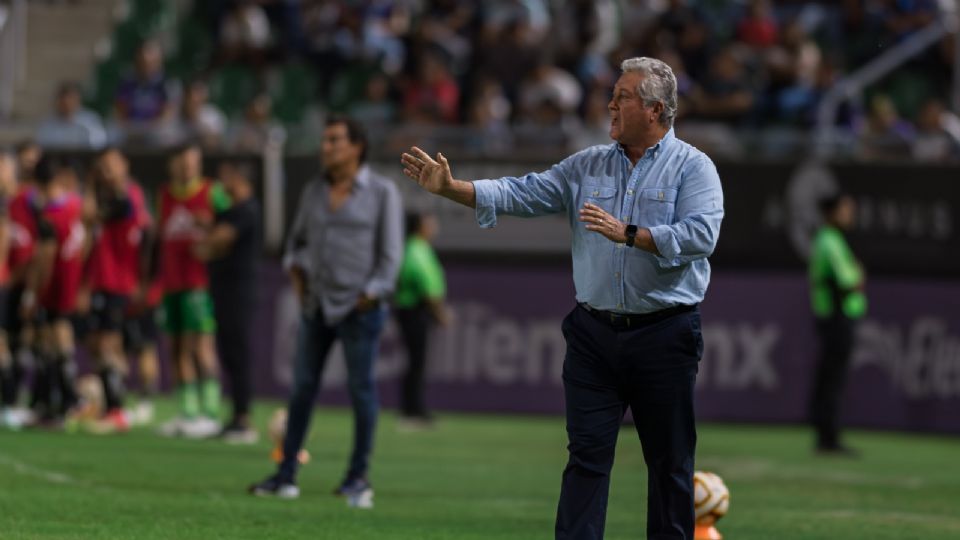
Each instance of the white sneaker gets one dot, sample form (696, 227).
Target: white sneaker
(172, 427)
(237, 435)
(362, 499)
(10, 420)
(141, 414)
(200, 427)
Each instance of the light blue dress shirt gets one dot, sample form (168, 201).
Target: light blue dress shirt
(673, 190)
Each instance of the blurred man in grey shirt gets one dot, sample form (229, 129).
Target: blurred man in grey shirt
(343, 254)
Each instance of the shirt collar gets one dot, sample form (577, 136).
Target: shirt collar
(667, 138)
(363, 176)
(360, 181)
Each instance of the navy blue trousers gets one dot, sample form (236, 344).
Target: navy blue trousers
(360, 335)
(650, 368)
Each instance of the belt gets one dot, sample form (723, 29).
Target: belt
(634, 320)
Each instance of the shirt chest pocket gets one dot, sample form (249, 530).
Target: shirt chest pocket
(657, 206)
(604, 197)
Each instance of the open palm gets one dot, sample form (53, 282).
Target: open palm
(432, 175)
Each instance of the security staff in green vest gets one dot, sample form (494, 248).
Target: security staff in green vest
(838, 301)
(418, 302)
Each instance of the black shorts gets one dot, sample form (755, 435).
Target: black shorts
(5, 311)
(11, 312)
(140, 331)
(45, 317)
(107, 311)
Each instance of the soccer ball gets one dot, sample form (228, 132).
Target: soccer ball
(277, 429)
(711, 498)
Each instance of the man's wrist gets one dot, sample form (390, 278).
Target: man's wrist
(630, 234)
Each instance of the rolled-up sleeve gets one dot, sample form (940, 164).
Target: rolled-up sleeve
(699, 211)
(534, 194)
(390, 248)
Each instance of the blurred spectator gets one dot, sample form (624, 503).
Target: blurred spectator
(490, 108)
(71, 125)
(886, 134)
(377, 108)
(509, 57)
(489, 116)
(498, 14)
(758, 28)
(903, 17)
(726, 94)
(549, 83)
(324, 38)
(793, 65)
(28, 155)
(685, 83)
(684, 26)
(450, 25)
(934, 140)
(145, 99)
(385, 23)
(596, 125)
(433, 97)
(252, 132)
(199, 119)
(245, 34)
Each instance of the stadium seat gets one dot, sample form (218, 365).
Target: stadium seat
(232, 87)
(294, 90)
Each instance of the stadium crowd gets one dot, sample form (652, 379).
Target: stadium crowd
(509, 73)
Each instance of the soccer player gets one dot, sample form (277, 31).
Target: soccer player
(119, 214)
(52, 282)
(140, 340)
(8, 186)
(188, 204)
(20, 251)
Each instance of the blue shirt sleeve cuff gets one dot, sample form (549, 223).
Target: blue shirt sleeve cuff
(667, 244)
(486, 202)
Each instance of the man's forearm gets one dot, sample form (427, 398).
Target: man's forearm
(644, 241)
(461, 191)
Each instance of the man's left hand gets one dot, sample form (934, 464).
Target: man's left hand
(598, 220)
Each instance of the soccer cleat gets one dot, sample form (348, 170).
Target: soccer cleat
(201, 427)
(239, 434)
(274, 486)
(172, 427)
(357, 491)
(11, 420)
(118, 419)
(141, 414)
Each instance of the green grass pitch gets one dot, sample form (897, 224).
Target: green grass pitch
(474, 477)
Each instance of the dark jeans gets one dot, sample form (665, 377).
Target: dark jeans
(836, 345)
(414, 326)
(233, 306)
(360, 334)
(652, 370)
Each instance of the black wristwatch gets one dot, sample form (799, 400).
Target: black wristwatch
(631, 235)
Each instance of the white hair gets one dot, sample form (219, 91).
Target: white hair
(659, 85)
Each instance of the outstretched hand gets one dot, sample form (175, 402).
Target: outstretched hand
(432, 175)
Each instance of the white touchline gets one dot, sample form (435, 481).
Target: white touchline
(25, 469)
